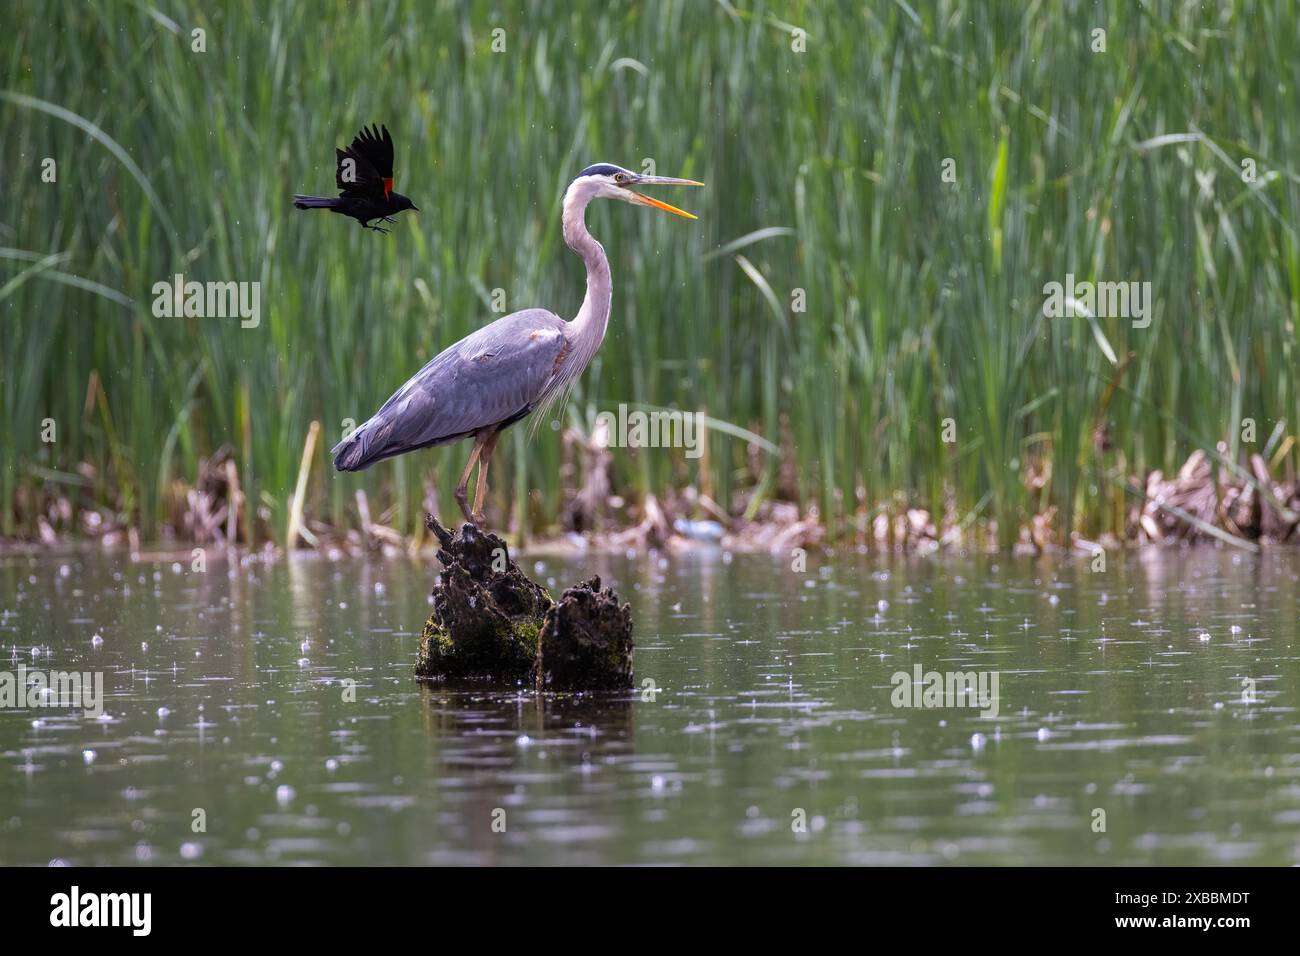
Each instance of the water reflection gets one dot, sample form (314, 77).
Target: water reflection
(275, 705)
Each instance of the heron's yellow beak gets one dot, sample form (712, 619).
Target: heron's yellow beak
(657, 204)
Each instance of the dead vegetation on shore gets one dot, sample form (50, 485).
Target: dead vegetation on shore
(1205, 501)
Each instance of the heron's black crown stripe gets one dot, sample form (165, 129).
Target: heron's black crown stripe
(601, 169)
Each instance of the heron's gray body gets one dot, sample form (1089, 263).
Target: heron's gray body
(489, 379)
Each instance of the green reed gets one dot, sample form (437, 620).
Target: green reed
(923, 297)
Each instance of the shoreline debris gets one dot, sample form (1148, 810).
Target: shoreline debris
(1209, 500)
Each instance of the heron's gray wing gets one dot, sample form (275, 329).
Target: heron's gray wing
(488, 378)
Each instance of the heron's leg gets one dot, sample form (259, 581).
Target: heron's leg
(485, 459)
(462, 498)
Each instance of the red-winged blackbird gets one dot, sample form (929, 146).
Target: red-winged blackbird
(365, 180)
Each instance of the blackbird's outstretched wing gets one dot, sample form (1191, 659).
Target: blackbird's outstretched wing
(365, 168)
(376, 147)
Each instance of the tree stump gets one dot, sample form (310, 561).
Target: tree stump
(586, 641)
(491, 623)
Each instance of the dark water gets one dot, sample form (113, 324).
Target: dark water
(771, 736)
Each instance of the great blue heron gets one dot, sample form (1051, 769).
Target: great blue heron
(497, 375)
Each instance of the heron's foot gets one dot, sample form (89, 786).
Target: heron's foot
(478, 518)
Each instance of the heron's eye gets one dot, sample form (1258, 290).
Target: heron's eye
(620, 178)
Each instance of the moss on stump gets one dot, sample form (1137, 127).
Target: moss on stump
(491, 623)
(487, 615)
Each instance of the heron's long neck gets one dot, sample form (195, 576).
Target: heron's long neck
(589, 325)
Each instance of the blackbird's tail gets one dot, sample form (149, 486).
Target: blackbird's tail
(314, 202)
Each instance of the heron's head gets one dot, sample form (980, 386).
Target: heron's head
(607, 181)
